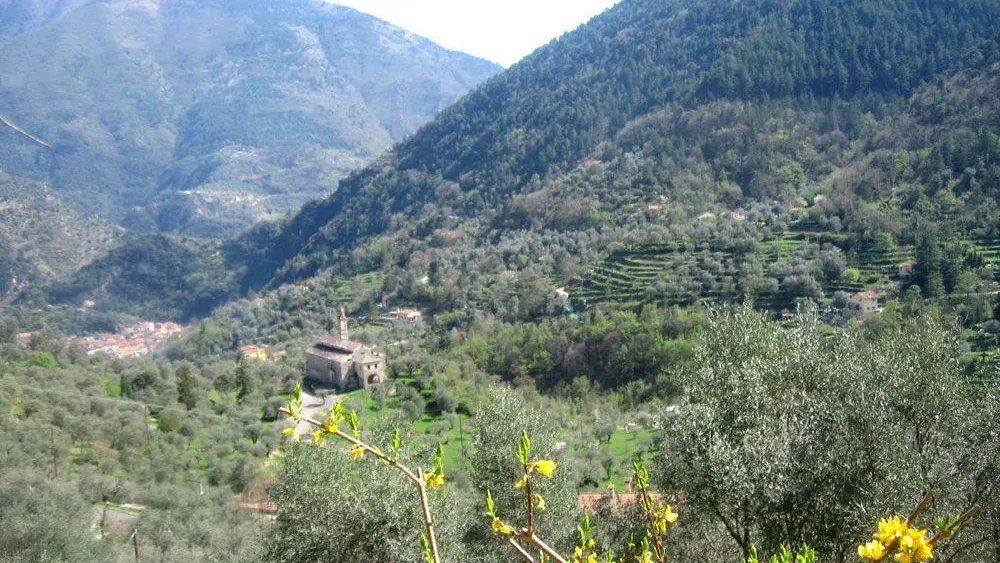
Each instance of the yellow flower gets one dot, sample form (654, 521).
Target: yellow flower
(540, 501)
(890, 529)
(357, 452)
(501, 528)
(318, 436)
(914, 546)
(434, 480)
(545, 467)
(580, 556)
(871, 551)
(671, 516)
(663, 517)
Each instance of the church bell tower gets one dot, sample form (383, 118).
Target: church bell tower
(343, 325)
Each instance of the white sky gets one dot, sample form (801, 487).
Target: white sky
(503, 32)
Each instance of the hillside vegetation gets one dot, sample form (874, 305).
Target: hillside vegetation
(786, 173)
(701, 104)
(576, 235)
(43, 238)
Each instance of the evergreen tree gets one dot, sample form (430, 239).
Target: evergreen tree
(244, 385)
(927, 272)
(186, 387)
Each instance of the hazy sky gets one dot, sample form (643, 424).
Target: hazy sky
(503, 31)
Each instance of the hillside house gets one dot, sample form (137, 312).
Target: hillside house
(343, 363)
(866, 302)
(591, 502)
(403, 315)
(906, 268)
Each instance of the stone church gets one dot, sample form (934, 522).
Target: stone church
(343, 363)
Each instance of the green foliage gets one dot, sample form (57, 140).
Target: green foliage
(500, 427)
(384, 522)
(42, 237)
(805, 555)
(187, 392)
(151, 276)
(779, 424)
(517, 129)
(47, 521)
(40, 360)
(76, 430)
(244, 385)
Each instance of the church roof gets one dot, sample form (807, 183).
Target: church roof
(368, 358)
(338, 344)
(328, 354)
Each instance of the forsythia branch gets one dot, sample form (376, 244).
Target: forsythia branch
(331, 427)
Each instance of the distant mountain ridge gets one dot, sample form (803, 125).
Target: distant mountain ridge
(627, 130)
(546, 114)
(200, 117)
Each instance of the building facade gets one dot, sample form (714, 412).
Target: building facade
(343, 363)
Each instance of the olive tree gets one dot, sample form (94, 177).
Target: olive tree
(791, 435)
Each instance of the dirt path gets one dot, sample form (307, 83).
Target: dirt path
(10, 124)
(313, 407)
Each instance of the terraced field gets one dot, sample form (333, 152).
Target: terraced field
(989, 249)
(630, 276)
(678, 273)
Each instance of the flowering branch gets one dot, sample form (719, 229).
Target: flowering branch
(661, 517)
(534, 500)
(419, 478)
(906, 542)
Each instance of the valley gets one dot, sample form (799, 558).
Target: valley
(737, 259)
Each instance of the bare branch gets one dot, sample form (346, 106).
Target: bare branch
(521, 551)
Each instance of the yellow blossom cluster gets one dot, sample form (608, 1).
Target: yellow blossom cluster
(579, 556)
(434, 479)
(586, 551)
(663, 516)
(896, 537)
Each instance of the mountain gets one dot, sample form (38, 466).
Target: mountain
(43, 238)
(640, 60)
(676, 151)
(200, 117)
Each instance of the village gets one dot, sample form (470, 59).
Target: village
(135, 341)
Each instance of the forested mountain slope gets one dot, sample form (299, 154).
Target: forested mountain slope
(200, 117)
(546, 114)
(675, 151)
(42, 238)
